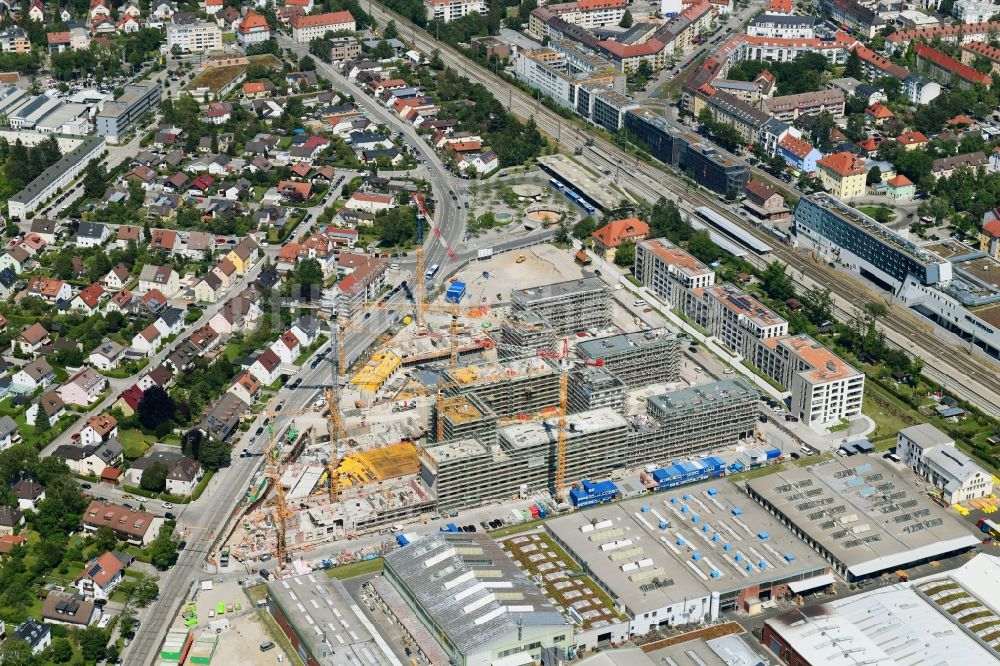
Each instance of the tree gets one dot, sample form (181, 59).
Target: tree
(104, 539)
(163, 549)
(63, 265)
(95, 179)
(154, 478)
(584, 228)
(390, 32)
(145, 592)
(156, 407)
(776, 282)
(382, 50)
(16, 652)
(93, 643)
(214, 455)
(817, 302)
(625, 254)
(307, 64)
(874, 176)
(627, 20)
(702, 247)
(562, 234)
(41, 420)
(853, 66)
(308, 276)
(62, 651)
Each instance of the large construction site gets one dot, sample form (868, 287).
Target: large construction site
(462, 406)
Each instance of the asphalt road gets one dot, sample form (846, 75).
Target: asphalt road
(448, 226)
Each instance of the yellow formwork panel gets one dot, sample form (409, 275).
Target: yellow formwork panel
(376, 371)
(387, 462)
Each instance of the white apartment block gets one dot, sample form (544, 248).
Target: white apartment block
(194, 37)
(934, 456)
(824, 389)
(735, 317)
(786, 27)
(669, 271)
(452, 10)
(970, 11)
(307, 28)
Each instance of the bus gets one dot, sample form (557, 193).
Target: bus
(555, 184)
(431, 272)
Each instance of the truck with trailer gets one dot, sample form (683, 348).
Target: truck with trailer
(989, 527)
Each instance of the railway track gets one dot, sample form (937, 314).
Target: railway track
(945, 360)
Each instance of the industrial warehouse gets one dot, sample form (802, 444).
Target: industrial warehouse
(862, 517)
(894, 624)
(683, 556)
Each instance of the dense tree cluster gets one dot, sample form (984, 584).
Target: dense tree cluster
(22, 164)
(803, 74)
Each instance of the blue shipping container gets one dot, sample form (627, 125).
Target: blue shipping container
(455, 293)
(773, 453)
(591, 494)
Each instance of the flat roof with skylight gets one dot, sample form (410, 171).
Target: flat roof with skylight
(862, 515)
(685, 544)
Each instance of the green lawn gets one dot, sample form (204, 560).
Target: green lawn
(889, 419)
(135, 443)
(356, 569)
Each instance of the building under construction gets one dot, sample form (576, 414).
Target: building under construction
(568, 307)
(463, 416)
(468, 472)
(521, 458)
(592, 387)
(525, 333)
(696, 419)
(639, 359)
(509, 389)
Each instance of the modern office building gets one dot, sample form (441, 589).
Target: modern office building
(475, 601)
(862, 244)
(561, 71)
(862, 516)
(569, 307)
(947, 618)
(197, 37)
(59, 175)
(824, 389)
(638, 359)
(707, 165)
(933, 455)
(669, 271)
(116, 118)
(683, 557)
